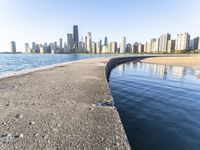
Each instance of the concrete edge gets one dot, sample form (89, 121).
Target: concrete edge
(112, 63)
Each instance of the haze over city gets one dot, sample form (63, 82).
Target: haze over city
(47, 21)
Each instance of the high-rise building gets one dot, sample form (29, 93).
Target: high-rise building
(164, 38)
(147, 47)
(105, 41)
(123, 45)
(135, 48)
(104, 49)
(198, 44)
(193, 45)
(85, 43)
(98, 47)
(33, 47)
(27, 48)
(140, 48)
(42, 51)
(171, 46)
(129, 48)
(13, 46)
(75, 36)
(45, 48)
(155, 45)
(89, 42)
(55, 46)
(69, 42)
(94, 51)
(182, 41)
(61, 43)
(113, 47)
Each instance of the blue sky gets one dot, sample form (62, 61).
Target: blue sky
(139, 20)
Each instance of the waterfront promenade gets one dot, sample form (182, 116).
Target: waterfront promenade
(64, 107)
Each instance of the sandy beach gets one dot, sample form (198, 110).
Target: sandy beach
(193, 62)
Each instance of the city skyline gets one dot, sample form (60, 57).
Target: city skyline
(27, 21)
(163, 44)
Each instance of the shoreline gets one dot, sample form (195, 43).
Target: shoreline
(192, 62)
(31, 70)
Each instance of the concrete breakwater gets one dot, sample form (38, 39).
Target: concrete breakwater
(64, 107)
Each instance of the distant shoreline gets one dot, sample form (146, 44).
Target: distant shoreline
(193, 62)
(10, 53)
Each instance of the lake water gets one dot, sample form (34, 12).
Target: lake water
(16, 62)
(159, 105)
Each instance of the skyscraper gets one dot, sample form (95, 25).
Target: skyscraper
(89, 42)
(27, 48)
(164, 38)
(13, 46)
(113, 48)
(33, 47)
(155, 45)
(69, 41)
(94, 47)
(129, 48)
(61, 43)
(193, 45)
(198, 47)
(123, 45)
(182, 41)
(106, 41)
(55, 46)
(171, 46)
(75, 36)
(140, 48)
(135, 47)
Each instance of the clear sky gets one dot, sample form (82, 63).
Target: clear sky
(139, 20)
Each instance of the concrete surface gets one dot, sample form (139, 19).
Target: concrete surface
(65, 107)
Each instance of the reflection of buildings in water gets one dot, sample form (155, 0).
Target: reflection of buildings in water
(145, 66)
(158, 70)
(128, 64)
(131, 65)
(121, 69)
(177, 71)
(190, 71)
(138, 65)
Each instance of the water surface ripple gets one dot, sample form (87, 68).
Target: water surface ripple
(16, 62)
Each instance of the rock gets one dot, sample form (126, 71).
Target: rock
(18, 116)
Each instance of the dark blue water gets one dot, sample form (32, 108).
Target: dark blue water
(16, 62)
(159, 105)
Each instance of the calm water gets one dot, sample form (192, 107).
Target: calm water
(159, 105)
(16, 62)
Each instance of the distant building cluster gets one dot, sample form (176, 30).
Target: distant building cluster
(163, 44)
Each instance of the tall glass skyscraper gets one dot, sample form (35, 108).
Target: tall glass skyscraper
(13, 46)
(106, 41)
(69, 41)
(75, 36)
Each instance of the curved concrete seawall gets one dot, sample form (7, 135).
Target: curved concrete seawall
(64, 107)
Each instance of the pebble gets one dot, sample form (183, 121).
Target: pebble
(18, 116)
(31, 123)
(7, 104)
(17, 136)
